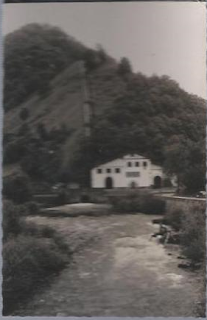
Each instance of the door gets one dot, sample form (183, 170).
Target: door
(109, 183)
(157, 182)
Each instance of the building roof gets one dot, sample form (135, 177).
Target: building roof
(119, 161)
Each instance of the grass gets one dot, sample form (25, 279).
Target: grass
(31, 254)
(189, 221)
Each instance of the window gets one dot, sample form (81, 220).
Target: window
(99, 170)
(137, 164)
(133, 174)
(117, 170)
(145, 164)
(129, 164)
(108, 170)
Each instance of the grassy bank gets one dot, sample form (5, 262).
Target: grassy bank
(189, 220)
(31, 254)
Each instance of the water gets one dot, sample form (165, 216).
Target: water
(117, 270)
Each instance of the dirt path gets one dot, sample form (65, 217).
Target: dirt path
(120, 272)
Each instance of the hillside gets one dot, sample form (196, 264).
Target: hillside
(44, 112)
(62, 104)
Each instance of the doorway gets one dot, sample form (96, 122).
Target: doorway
(109, 183)
(157, 182)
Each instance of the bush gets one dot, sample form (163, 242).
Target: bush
(61, 198)
(193, 237)
(151, 204)
(189, 220)
(26, 261)
(41, 231)
(135, 202)
(85, 198)
(11, 220)
(17, 188)
(126, 204)
(32, 208)
(174, 217)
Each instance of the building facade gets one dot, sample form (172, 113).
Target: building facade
(131, 171)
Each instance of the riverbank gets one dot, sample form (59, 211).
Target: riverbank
(116, 270)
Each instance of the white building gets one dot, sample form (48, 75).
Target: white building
(131, 171)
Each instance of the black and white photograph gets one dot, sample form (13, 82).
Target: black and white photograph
(104, 159)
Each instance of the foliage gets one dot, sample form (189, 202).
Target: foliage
(12, 152)
(174, 216)
(151, 116)
(186, 159)
(193, 237)
(32, 208)
(30, 253)
(38, 153)
(124, 68)
(34, 54)
(157, 119)
(17, 188)
(138, 202)
(11, 220)
(13, 214)
(27, 260)
(24, 114)
(189, 220)
(151, 204)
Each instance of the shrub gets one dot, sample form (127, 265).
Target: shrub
(126, 204)
(26, 260)
(41, 231)
(135, 202)
(13, 151)
(151, 204)
(11, 220)
(32, 208)
(24, 114)
(85, 198)
(61, 198)
(189, 220)
(193, 237)
(17, 188)
(174, 216)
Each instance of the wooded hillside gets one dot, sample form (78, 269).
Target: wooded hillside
(43, 99)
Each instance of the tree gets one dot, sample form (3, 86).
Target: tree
(186, 160)
(42, 131)
(33, 55)
(101, 53)
(124, 68)
(17, 188)
(24, 114)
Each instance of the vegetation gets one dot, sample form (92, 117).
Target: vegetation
(138, 202)
(30, 254)
(157, 119)
(33, 55)
(151, 116)
(189, 220)
(17, 188)
(37, 152)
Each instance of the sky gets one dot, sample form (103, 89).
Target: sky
(163, 38)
